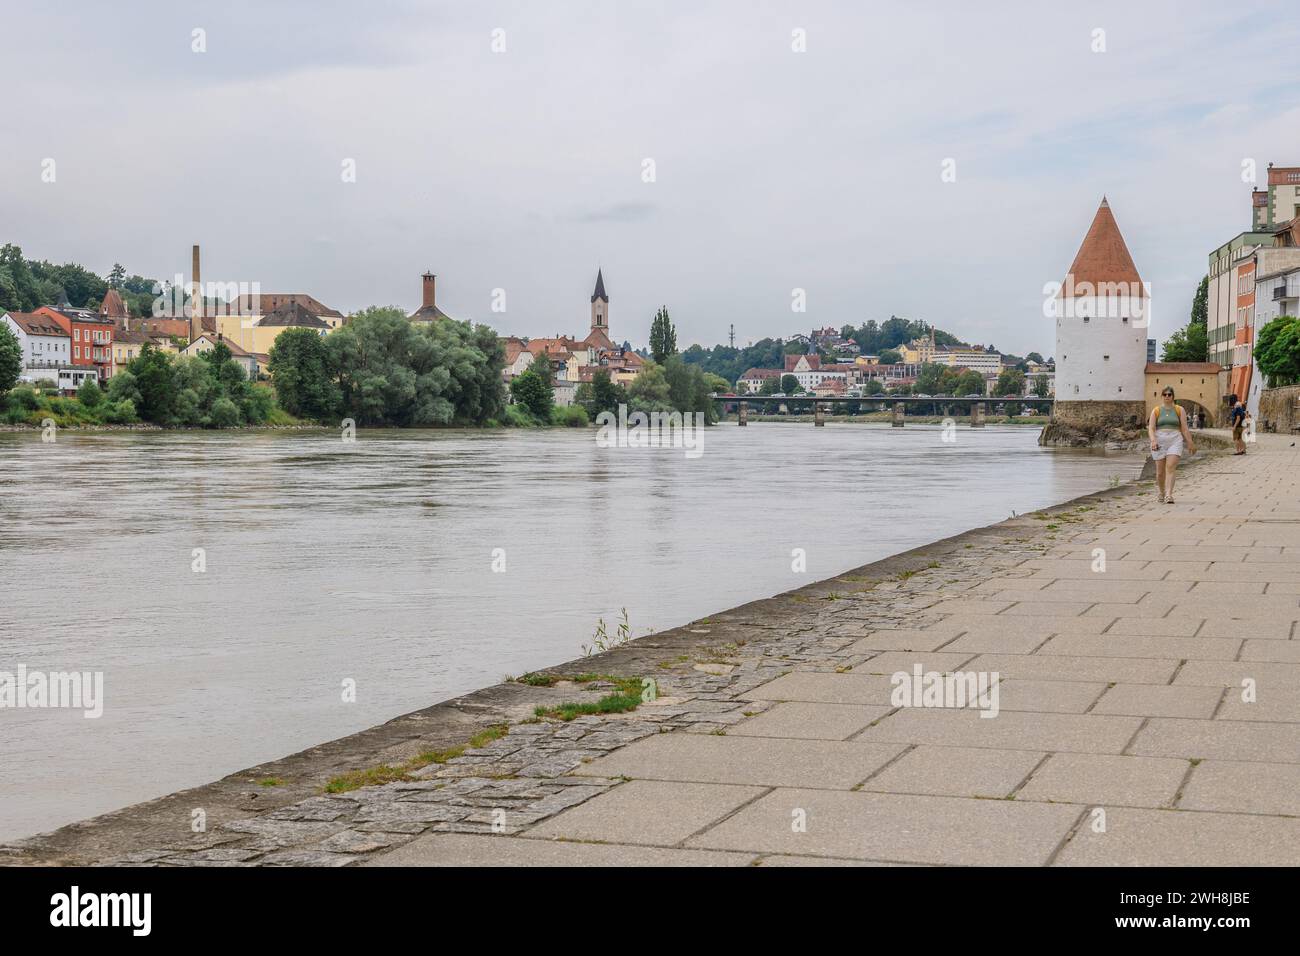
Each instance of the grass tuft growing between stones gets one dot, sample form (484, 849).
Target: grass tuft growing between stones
(625, 697)
(387, 773)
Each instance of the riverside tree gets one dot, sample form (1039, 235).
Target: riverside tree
(305, 384)
(392, 372)
(663, 336)
(11, 359)
(533, 390)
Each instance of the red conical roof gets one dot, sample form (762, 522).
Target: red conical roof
(1103, 257)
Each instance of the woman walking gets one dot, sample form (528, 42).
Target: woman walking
(1167, 428)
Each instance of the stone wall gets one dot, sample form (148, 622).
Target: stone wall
(1080, 424)
(1279, 405)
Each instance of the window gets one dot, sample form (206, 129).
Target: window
(76, 335)
(76, 351)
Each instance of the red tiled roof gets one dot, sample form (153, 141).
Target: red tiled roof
(762, 373)
(113, 306)
(1103, 257)
(35, 324)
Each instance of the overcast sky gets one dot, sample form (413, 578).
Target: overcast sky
(524, 170)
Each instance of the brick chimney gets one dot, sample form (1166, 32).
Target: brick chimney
(196, 303)
(429, 280)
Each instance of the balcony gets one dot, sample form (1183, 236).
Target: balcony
(1279, 292)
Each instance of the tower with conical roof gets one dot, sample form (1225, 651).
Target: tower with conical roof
(1102, 312)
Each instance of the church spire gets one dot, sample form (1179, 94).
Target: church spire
(600, 308)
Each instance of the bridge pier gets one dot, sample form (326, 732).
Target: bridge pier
(819, 414)
(743, 414)
(897, 420)
(977, 415)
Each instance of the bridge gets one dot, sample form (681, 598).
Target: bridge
(977, 404)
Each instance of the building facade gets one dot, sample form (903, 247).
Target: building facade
(92, 338)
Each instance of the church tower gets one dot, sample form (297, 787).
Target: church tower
(1102, 312)
(600, 306)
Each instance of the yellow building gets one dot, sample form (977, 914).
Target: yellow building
(257, 333)
(1197, 386)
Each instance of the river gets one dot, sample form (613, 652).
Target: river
(324, 561)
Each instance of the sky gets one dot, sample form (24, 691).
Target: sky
(938, 161)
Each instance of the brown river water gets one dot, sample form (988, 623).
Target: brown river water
(372, 562)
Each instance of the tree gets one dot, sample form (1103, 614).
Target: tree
(872, 386)
(90, 394)
(650, 390)
(541, 367)
(1040, 386)
(771, 385)
(890, 357)
(304, 379)
(790, 385)
(1190, 344)
(155, 380)
(1034, 357)
(11, 359)
(532, 392)
(606, 396)
(663, 336)
(1201, 303)
(1277, 351)
(967, 382)
(1011, 381)
(117, 276)
(390, 372)
(929, 379)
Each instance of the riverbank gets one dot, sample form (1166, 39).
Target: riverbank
(789, 692)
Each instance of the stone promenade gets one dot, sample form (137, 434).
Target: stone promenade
(1149, 713)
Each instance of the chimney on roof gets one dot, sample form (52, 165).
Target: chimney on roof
(429, 280)
(196, 301)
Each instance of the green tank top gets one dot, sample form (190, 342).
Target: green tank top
(1168, 418)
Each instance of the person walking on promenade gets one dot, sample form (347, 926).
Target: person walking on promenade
(1238, 420)
(1170, 440)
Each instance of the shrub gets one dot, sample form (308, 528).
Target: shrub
(90, 394)
(570, 416)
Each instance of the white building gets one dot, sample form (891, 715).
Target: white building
(973, 357)
(1102, 312)
(46, 347)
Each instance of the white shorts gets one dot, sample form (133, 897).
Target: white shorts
(1168, 442)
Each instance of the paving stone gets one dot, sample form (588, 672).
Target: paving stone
(354, 841)
(1058, 667)
(1232, 673)
(1047, 696)
(1137, 837)
(747, 760)
(891, 662)
(896, 828)
(777, 859)
(956, 771)
(1277, 651)
(1106, 780)
(1271, 703)
(997, 642)
(901, 640)
(826, 689)
(1279, 628)
(800, 719)
(1165, 648)
(648, 811)
(468, 850)
(1155, 626)
(1155, 700)
(304, 858)
(1221, 739)
(1271, 788)
(1010, 730)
